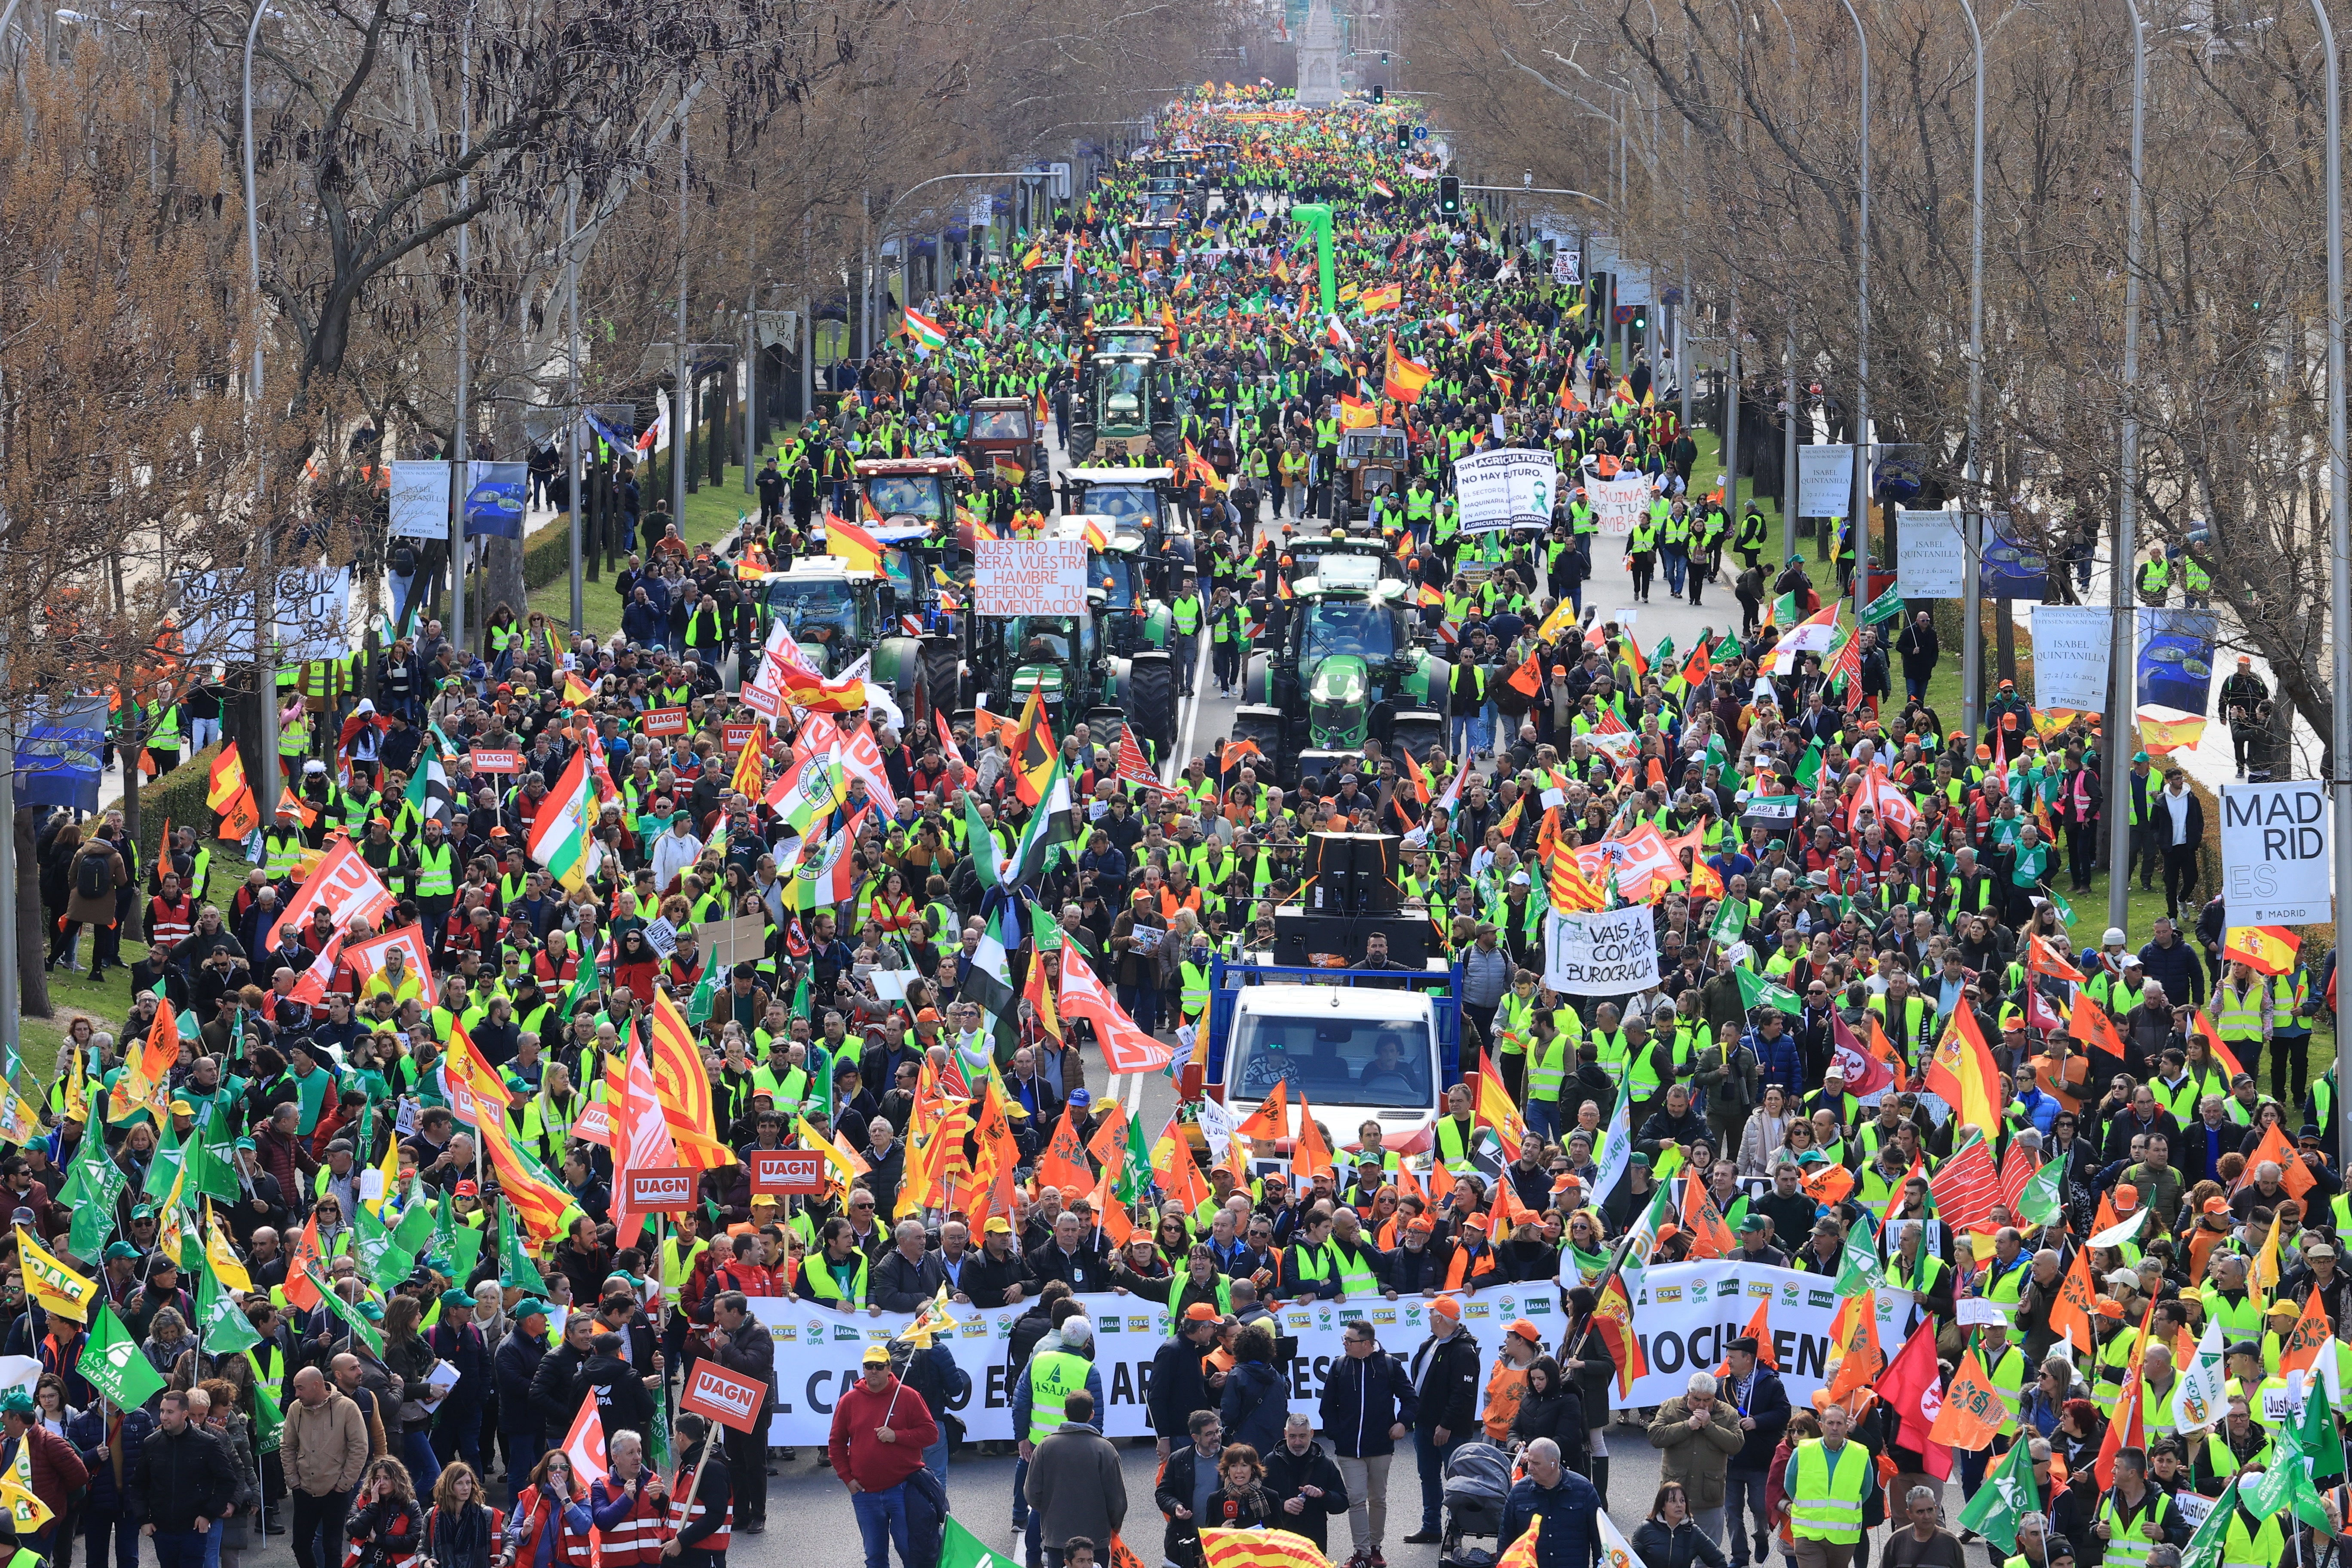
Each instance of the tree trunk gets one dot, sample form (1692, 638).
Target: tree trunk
(32, 921)
(504, 577)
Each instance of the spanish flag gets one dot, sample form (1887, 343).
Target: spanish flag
(1355, 413)
(2266, 950)
(853, 544)
(1406, 379)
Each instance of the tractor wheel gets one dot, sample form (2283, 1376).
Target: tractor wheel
(1104, 725)
(1417, 730)
(902, 658)
(942, 682)
(1167, 441)
(1081, 445)
(1262, 725)
(1150, 702)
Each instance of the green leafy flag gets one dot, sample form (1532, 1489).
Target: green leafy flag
(114, 1364)
(93, 1186)
(1809, 766)
(1858, 1270)
(402, 1248)
(961, 1549)
(517, 1271)
(367, 1333)
(1755, 992)
(2039, 1202)
(705, 999)
(1784, 610)
(268, 1419)
(1730, 922)
(164, 1168)
(212, 1156)
(1888, 606)
(2006, 1496)
(222, 1326)
(1136, 1170)
(2204, 1548)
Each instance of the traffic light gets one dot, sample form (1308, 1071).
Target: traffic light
(1404, 136)
(1641, 317)
(1449, 196)
(1379, 93)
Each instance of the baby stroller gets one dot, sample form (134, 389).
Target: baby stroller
(1477, 1484)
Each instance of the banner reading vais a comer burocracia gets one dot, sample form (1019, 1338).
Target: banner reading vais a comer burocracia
(1684, 1316)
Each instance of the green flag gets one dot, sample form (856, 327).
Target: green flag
(1755, 992)
(164, 1168)
(705, 1000)
(1809, 766)
(516, 1270)
(1886, 607)
(96, 1182)
(268, 1420)
(1784, 611)
(1730, 922)
(367, 1333)
(401, 1248)
(2039, 1202)
(961, 1549)
(2205, 1547)
(1137, 1169)
(2006, 1496)
(1858, 1270)
(222, 1326)
(212, 1157)
(114, 1364)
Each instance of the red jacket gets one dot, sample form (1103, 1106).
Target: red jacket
(58, 1469)
(857, 1455)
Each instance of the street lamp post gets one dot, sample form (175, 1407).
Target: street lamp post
(2120, 685)
(1861, 501)
(265, 661)
(1972, 477)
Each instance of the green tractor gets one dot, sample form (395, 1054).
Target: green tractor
(1344, 669)
(1126, 405)
(1069, 661)
(837, 615)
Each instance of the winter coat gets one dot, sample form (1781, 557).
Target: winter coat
(1557, 1413)
(1287, 1472)
(1445, 1374)
(1074, 1484)
(88, 1432)
(99, 910)
(324, 1450)
(1178, 1389)
(183, 1477)
(1257, 1403)
(1568, 1512)
(385, 1534)
(1696, 1460)
(621, 1401)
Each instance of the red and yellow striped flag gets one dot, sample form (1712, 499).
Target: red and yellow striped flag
(1259, 1549)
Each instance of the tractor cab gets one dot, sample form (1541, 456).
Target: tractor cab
(1127, 408)
(1156, 236)
(1119, 587)
(1127, 338)
(833, 613)
(1217, 161)
(1374, 459)
(1312, 559)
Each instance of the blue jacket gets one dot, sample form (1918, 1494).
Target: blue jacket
(1780, 1060)
(1569, 1538)
(1768, 1402)
(2178, 969)
(86, 1433)
(1362, 1400)
(1256, 1403)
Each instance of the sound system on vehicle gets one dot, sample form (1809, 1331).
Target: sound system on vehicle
(1354, 873)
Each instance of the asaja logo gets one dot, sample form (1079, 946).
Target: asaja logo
(1820, 1298)
(842, 1331)
(1535, 1307)
(1350, 1314)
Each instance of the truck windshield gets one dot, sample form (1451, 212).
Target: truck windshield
(1337, 1061)
(819, 611)
(908, 495)
(1115, 575)
(999, 425)
(1354, 626)
(1135, 504)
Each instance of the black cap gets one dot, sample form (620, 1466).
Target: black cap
(1746, 1342)
(2246, 1347)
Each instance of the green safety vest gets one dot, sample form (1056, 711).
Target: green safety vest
(1825, 1500)
(1193, 999)
(817, 1279)
(1054, 1376)
(1548, 1070)
(2155, 577)
(2126, 1547)
(436, 875)
(1356, 1276)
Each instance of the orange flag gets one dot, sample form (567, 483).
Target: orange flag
(1529, 677)
(1272, 1117)
(1182, 1179)
(299, 1291)
(1308, 1156)
(1853, 1333)
(1064, 1162)
(1110, 1142)
(1117, 1225)
(2294, 1175)
(2306, 1340)
(2071, 1314)
(1829, 1184)
(1710, 1237)
(1973, 1409)
(1760, 1329)
(2089, 1025)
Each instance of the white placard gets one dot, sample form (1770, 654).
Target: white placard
(1567, 266)
(660, 935)
(2275, 868)
(1930, 560)
(1825, 480)
(1612, 955)
(2072, 644)
(1029, 576)
(1619, 503)
(420, 500)
(1505, 486)
(1685, 1313)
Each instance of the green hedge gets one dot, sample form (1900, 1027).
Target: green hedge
(179, 796)
(547, 556)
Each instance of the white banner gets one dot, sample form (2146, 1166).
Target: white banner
(1824, 480)
(1030, 576)
(420, 500)
(2275, 866)
(313, 616)
(1505, 486)
(1567, 266)
(1612, 955)
(2072, 644)
(1684, 1314)
(1930, 560)
(1619, 503)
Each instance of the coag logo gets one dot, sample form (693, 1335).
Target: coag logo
(1385, 1315)
(786, 1334)
(977, 1328)
(1761, 1290)
(1668, 1295)
(1295, 1320)
(1477, 1310)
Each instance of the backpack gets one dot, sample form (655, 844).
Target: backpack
(93, 876)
